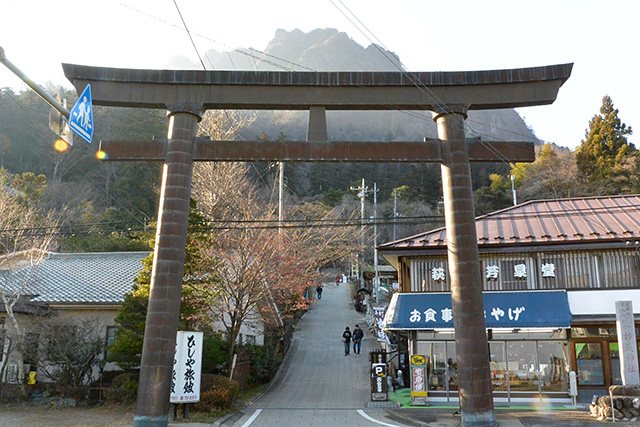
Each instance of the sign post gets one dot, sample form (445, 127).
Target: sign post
(379, 386)
(418, 380)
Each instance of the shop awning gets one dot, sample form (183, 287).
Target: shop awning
(524, 309)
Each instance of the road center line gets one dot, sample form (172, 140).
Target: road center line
(253, 418)
(361, 412)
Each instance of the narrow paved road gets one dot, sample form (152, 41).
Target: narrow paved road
(318, 385)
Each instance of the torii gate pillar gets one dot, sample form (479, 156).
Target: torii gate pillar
(474, 378)
(168, 267)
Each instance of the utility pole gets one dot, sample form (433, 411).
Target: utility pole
(513, 189)
(395, 212)
(362, 193)
(376, 278)
(280, 196)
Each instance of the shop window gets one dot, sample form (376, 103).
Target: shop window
(437, 366)
(452, 367)
(614, 355)
(553, 359)
(523, 373)
(498, 366)
(589, 363)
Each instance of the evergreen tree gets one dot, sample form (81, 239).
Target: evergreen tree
(126, 349)
(605, 158)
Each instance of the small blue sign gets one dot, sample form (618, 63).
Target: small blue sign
(81, 116)
(522, 309)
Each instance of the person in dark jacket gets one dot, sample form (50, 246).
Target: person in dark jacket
(319, 291)
(358, 334)
(346, 339)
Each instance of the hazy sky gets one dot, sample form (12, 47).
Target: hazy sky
(601, 38)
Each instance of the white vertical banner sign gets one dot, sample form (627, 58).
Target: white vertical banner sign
(187, 364)
(627, 344)
(378, 313)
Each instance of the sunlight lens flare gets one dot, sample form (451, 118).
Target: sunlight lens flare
(101, 155)
(61, 145)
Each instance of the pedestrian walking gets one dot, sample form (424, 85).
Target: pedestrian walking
(358, 334)
(319, 291)
(346, 339)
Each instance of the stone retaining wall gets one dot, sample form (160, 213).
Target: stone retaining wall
(626, 404)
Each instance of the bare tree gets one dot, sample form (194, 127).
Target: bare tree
(71, 351)
(322, 234)
(25, 238)
(553, 175)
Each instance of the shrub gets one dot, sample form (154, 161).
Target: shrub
(215, 399)
(124, 389)
(208, 381)
(217, 393)
(264, 362)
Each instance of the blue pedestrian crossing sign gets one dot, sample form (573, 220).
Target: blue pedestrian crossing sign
(81, 116)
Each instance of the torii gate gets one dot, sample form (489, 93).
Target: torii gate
(448, 95)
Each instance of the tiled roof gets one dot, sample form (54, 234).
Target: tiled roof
(577, 220)
(89, 278)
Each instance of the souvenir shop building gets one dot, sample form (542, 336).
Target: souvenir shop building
(552, 272)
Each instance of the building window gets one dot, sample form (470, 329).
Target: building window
(517, 365)
(553, 359)
(251, 339)
(589, 363)
(110, 338)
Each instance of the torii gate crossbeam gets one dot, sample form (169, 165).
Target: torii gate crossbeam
(187, 94)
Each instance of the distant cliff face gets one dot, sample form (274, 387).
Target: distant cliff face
(331, 50)
(319, 50)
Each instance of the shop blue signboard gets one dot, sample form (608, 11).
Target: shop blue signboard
(524, 309)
